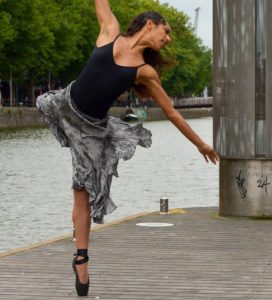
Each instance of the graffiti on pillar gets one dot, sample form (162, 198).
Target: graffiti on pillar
(263, 183)
(241, 187)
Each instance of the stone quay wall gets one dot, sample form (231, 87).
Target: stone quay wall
(24, 117)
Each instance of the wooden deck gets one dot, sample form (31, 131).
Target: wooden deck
(200, 257)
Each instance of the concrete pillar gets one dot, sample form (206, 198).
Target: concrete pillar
(243, 105)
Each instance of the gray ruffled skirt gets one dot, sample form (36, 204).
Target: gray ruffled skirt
(96, 146)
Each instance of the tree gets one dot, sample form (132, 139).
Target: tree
(40, 37)
(47, 37)
(6, 30)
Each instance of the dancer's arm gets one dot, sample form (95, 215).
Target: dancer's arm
(109, 26)
(150, 79)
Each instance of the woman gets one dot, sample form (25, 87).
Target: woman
(77, 115)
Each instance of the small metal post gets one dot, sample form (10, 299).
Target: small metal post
(74, 235)
(164, 205)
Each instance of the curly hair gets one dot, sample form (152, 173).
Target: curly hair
(150, 56)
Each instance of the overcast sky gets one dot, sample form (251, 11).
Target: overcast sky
(205, 16)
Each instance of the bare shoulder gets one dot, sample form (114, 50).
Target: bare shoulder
(147, 74)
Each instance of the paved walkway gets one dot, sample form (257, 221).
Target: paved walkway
(200, 257)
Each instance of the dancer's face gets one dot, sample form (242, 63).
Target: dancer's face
(159, 35)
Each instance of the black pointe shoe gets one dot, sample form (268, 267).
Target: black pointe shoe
(81, 288)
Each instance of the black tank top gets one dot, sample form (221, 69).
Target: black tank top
(101, 82)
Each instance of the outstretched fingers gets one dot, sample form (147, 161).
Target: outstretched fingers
(209, 154)
(213, 157)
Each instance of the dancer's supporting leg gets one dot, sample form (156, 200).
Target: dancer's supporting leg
(82, 222)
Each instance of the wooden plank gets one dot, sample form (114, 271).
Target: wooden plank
(200, 257)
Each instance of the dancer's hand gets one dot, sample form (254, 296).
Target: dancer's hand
(209, 153)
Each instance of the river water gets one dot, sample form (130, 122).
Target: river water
(35, 181)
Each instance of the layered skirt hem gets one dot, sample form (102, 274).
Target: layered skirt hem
(96, 146)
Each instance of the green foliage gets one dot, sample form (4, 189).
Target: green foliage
(6, 30)
(39, 37)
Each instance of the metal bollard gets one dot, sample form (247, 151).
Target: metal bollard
(164, 205)
(74, 235)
